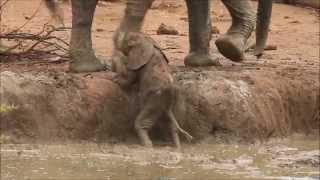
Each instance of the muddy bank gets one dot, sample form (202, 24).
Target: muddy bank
(248, 103)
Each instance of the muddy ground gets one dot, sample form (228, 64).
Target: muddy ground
(295, 32)
(296, 158)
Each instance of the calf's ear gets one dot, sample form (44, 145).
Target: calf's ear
(139, 55)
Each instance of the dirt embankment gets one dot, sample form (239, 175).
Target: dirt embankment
(251, 104)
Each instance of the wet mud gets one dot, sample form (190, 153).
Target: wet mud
(295, 157)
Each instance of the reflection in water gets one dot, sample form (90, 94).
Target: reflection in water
(278, 159)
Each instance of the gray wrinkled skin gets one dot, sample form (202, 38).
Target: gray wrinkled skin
(147, 68)
(81, 52)
(231, 45)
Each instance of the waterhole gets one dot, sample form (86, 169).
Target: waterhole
(296, 157)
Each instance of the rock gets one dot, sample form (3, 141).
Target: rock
(111, 0)
(160, 5)
(104, 3)
(295, 22)
(99, 30)
(184, 19)
(169, 30)
(268, 47)
(271, 47)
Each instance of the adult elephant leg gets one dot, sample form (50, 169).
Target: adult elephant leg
(232, 44)
(82, 54)
(199, 34)
(132, 21)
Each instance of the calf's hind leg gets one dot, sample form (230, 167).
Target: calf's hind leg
(144, 122)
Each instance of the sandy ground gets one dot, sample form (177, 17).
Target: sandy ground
(294, 31)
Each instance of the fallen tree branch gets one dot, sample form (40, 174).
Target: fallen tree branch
(3, 4)
(43, 42)
(33, 45)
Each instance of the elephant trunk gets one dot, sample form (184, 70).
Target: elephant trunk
(263, 23)
(55, 10)
(51, 5)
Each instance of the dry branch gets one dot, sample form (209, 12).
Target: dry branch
(31, 45)
(43, 42)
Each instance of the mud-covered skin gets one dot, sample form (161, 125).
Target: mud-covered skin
(55, 10)
(84, 59)
(231, 45)
(132, 21)
(199, 34)
(147, 67)
(81, 51)
(263, 23)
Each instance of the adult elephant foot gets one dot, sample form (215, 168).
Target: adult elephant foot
(201, 59)
(232, 46)
(199, 34)
(81, 51)
(85, 62)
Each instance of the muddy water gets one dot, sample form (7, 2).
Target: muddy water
(295, 157)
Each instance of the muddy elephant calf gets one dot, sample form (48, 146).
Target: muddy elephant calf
(147, 67)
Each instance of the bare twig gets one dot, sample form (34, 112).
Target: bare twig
(3, 4)
(34, 45)
(11, 48)
(43, 43)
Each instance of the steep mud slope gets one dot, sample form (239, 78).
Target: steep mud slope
(247, 103)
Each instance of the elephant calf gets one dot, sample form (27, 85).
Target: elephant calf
(147, 67)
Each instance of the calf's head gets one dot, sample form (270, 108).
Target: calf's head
(138, 49)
